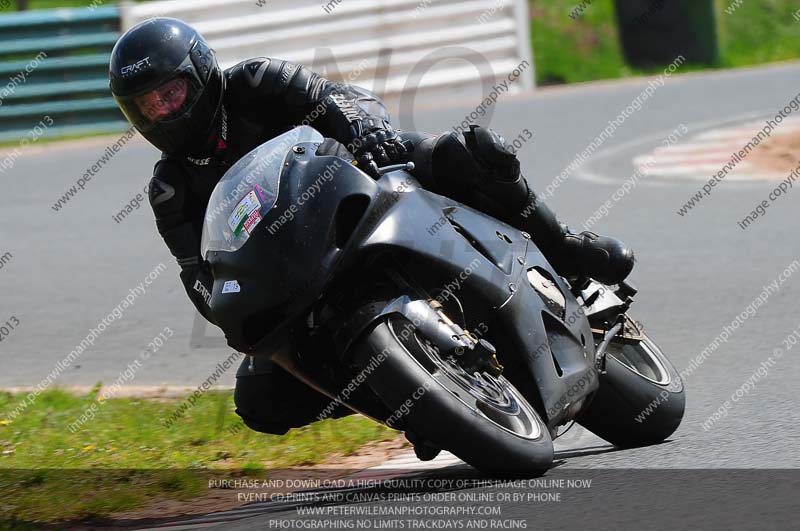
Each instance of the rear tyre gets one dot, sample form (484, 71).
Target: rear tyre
(480, 418)
(641, 398)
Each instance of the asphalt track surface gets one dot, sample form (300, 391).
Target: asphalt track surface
(695, 273)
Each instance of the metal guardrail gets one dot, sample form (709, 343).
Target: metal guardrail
(54, 63)
(387, 46)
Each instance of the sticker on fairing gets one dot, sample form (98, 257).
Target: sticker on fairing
(231, 286)
(242, 211)
(260, 193)
(251, 222)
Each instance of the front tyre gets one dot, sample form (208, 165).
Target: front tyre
(480, 418)
(641, 399)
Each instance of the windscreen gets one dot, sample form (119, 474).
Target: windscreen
(248, 191)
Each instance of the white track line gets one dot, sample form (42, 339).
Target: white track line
(756, 121)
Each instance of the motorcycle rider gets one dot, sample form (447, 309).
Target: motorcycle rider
(166, 80)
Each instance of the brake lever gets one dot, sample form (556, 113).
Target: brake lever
(408, 166)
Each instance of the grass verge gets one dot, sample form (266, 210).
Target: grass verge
(124, 458)
(587, 48)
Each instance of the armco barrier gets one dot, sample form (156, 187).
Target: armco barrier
(54, 62)
(387, 46)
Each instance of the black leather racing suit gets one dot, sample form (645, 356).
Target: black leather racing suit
(264, 98)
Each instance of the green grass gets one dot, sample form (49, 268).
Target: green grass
(52, 4)
(48, 4)
(567, 50)
(125, 457)
(588, 49)
(759, 31)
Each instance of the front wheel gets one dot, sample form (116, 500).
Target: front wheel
(480, 418)
(641, 398)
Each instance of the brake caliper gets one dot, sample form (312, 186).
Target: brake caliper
(483, 357)
(479, 356)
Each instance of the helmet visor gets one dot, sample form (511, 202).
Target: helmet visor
(165, 103)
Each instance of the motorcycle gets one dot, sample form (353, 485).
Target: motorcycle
(424, 314)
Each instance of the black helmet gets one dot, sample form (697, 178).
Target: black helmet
(168, 84)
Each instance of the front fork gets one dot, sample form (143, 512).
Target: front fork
(473, 354)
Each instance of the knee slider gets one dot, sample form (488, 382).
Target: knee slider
(489, 148)
(475, 154)
(452, 164)
(450, 153)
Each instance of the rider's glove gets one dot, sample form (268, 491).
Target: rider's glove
(381, 146)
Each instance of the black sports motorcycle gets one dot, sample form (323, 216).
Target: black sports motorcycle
(424, 314)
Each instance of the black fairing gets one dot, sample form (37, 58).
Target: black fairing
(284, 267)
(283, 272)
(543, 350)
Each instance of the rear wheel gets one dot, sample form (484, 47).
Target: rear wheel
(641, 398)
(480, 418)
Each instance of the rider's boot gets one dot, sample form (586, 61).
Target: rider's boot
(479, 170)
(583, 255)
